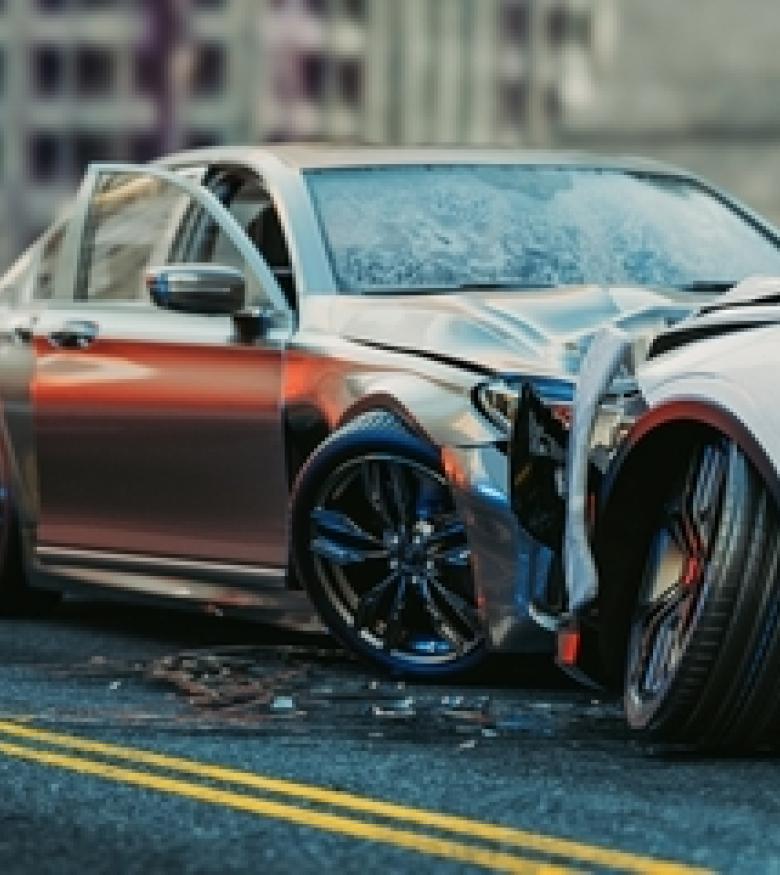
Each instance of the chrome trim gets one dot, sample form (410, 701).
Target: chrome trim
(49, 555)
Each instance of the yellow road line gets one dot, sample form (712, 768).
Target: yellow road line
(505, 835)
(333, 823)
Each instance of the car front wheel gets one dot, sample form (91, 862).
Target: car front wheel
(379, 546)
(704, 648)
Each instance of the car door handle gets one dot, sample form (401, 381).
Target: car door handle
(74, 334)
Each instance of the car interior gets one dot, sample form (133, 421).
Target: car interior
(244, 195)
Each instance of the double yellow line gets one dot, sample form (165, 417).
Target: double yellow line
(490, 846)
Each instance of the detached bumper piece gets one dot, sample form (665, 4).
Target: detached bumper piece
(537, 461)
(538, 457)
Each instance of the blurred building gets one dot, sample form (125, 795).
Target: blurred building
(82, 80)
(697, 84)
(428, 71)
(85, 80)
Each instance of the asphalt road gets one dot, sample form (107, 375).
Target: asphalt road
(311, 745)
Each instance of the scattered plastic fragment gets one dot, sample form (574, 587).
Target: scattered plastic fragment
(398, 710)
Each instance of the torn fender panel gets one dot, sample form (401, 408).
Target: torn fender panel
(511, 569)
(609, 353)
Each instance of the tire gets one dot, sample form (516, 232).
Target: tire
(703, 663)
(377, 544)
(15, 596)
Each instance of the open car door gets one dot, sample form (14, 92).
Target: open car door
(157, 424)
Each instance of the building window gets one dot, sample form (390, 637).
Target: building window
(316, 7)
(143, 146)
(48, 70)
(45, 156)
(355, 9)
(147, 72)
(515, 21)
(208, 4)
(351, 81)
(209, 73)
(95, 71)
(552, 103)
(199, 138)
(558, 20)
(53, 5)
(514, 102)
(89, 147)
(314, 76)
(581, 27)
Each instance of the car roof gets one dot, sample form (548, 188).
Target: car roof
(307, 156)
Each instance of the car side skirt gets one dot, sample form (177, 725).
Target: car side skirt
(214, 587)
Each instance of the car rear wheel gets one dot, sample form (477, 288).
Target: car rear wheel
(703, 661)
(379, 546)
(15, 595)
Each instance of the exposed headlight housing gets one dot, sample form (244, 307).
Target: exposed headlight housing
(498, 399)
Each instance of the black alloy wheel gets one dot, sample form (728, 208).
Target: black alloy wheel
(673, 585)
(380, 547)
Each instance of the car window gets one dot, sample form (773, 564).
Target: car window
(128, 221)
(247, 199)
(16, 283)
(50, 257)
(135, 222)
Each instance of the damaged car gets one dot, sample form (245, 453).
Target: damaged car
(258, 380)
(672, 547)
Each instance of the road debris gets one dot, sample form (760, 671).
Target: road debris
(403, 709)
(252, 688)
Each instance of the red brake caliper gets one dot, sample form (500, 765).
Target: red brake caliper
(692, 571)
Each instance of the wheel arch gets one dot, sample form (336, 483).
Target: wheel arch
(307, 425)
(681, 414)
(385, 403)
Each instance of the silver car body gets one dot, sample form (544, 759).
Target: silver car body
(156, 461)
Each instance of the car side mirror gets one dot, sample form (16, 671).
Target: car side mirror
(207, 289)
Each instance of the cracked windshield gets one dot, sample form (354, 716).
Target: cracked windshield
(424, 228)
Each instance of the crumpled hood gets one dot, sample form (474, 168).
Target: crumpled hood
(508, 331)
(753, 303)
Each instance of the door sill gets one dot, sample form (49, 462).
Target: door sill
(215, 583)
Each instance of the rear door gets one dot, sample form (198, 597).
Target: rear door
(158, 433)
